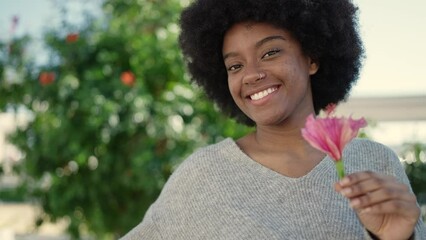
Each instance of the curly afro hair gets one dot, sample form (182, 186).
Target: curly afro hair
(326, 29)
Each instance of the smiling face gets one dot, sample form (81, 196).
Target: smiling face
(268, 74)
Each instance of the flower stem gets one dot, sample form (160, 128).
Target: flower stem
(340, 169)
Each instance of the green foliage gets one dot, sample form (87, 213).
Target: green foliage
(97, 150)
(415, 167)
(14, 68)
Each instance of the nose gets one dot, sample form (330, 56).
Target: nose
(254, 76)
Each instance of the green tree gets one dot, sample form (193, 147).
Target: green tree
(414, 155)
(113, 113)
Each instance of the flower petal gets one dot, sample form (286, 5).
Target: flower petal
(331, 134)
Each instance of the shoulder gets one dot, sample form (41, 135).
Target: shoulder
(365, 154)
(214, 150)
(202, 167)
(208, 156)
(367, 146)
(192, 188)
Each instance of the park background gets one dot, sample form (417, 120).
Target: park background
(96, 109)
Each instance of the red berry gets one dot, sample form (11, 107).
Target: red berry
(46, 78)
(128, 78)
(72, 37)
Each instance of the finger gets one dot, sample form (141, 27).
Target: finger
(338, 187)
(398, 207)
(357, 177)
(370, 185)
(382, 195)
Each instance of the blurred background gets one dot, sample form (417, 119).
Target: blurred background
(96, 109)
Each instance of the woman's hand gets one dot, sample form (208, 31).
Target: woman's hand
(384, 206)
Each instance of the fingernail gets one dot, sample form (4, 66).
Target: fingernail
(366, 210)
(344, 181)
(346, 191)
(355, 203)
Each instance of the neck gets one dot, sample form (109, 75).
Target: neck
(282, 150)
(279, 139)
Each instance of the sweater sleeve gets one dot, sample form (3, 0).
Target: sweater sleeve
(147, 229)
(388, 163)
(420, 229)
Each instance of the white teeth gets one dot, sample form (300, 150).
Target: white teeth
(263, 93)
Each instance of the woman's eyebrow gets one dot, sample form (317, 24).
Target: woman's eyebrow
(258, 44)
(228, 55)
(270, 38)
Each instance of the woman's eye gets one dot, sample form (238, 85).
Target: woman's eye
(234, 67)
(271, 53)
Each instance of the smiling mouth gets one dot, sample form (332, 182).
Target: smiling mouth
(262, 94)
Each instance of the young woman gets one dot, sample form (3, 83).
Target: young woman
(270, 64)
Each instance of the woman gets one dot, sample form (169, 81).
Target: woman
(270, 64)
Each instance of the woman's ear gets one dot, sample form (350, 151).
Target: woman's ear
(313, 66)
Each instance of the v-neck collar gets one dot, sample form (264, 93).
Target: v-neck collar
(232, 148)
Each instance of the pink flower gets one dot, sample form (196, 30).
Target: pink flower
(331, 134)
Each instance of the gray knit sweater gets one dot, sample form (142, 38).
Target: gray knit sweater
(221, 193)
